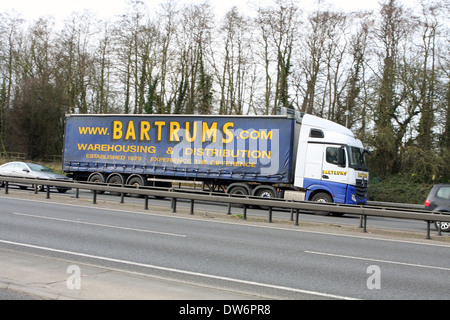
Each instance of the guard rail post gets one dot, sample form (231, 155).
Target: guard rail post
(146, 202)
(174, 205)
(270, 214)
(192, 206)
(6, 187)
(94, 196)
(428, 229)
(364, 218)
(48, 192)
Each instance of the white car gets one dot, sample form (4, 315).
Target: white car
(30, 170)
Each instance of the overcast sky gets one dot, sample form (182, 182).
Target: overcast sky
(61, 9)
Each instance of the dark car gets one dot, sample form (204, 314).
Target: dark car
(438, 201)
(30, 170)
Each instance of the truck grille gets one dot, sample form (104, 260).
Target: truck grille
(361, 188)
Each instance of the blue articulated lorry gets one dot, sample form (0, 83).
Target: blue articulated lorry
(293, 156)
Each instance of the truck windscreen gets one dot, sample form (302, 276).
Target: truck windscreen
(357, 159)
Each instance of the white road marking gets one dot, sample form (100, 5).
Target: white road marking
(321, 294)
(100, 225)
(377, 260)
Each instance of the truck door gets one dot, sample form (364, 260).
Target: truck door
(334, 171)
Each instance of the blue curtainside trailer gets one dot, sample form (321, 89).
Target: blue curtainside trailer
(201, 147)
(293, 155)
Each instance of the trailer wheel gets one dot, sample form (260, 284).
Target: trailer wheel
(322, 197)
(267, 193)
(97, 178)
(240, 191)
(116, 180)
(136, 182)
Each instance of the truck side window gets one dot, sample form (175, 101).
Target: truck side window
(316, 133)
(332, 155)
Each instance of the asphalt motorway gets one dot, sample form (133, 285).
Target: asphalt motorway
(346, 220)
(122, 251)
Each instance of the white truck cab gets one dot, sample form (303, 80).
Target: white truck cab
(330, 163)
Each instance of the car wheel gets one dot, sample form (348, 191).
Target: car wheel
(445, 226)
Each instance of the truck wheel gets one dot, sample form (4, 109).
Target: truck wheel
(116, 180)
(136, 182)
(265, 192)
(97, 178)
(322, 197)
(241, 191)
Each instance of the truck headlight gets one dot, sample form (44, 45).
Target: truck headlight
(353, 197)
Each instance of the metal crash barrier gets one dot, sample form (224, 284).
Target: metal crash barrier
(244, 201)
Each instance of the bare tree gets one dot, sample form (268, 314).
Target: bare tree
(279, 28)
(193, 40)
(9, 30)
(355, 105)
(313, 60)
(74, 60)
(233, 66)
(390, 123)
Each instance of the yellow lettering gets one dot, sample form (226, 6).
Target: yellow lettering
(228, 133)
(209, 133)
(266, 135)
(160, 124)
(131, 132)
(145, 128)
(243, 135)
(174, 128)
(254, 135)
(188, 136)
(117, 130)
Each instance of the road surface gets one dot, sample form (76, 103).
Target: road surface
(216, 254)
